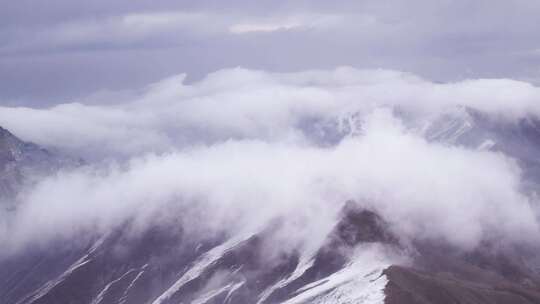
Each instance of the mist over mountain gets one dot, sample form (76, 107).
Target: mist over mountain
(269, 152)
(338, 186)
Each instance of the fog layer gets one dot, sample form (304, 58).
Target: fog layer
(241, 147)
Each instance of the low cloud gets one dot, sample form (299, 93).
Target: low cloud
(248, 104)
(243, 147)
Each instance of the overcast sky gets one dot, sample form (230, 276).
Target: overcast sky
(100, 51)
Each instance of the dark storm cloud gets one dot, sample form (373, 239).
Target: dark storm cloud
(61, 50)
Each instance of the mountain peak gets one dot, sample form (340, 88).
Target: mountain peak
(22, 162)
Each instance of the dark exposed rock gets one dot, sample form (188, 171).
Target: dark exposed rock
(410, 286)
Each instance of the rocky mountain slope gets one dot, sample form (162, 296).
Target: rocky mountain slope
(362, 259)
(350, 267)
(22, 163)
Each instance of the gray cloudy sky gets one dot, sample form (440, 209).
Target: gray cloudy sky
(99, 51)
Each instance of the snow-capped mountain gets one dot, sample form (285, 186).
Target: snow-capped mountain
(361, 260)
(354, 265)
(462, 126)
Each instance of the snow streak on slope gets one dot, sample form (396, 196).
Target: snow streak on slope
(306, 262)
(200, 265)
(229, 288)
(123, 299)
(103, 292)
(448, 126)
(359, 282)
(45, 289)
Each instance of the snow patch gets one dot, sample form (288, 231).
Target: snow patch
(361, 281)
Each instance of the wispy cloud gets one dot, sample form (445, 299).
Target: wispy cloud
(303, 22)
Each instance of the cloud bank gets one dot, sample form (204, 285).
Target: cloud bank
(248, 104)
(241, 147)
